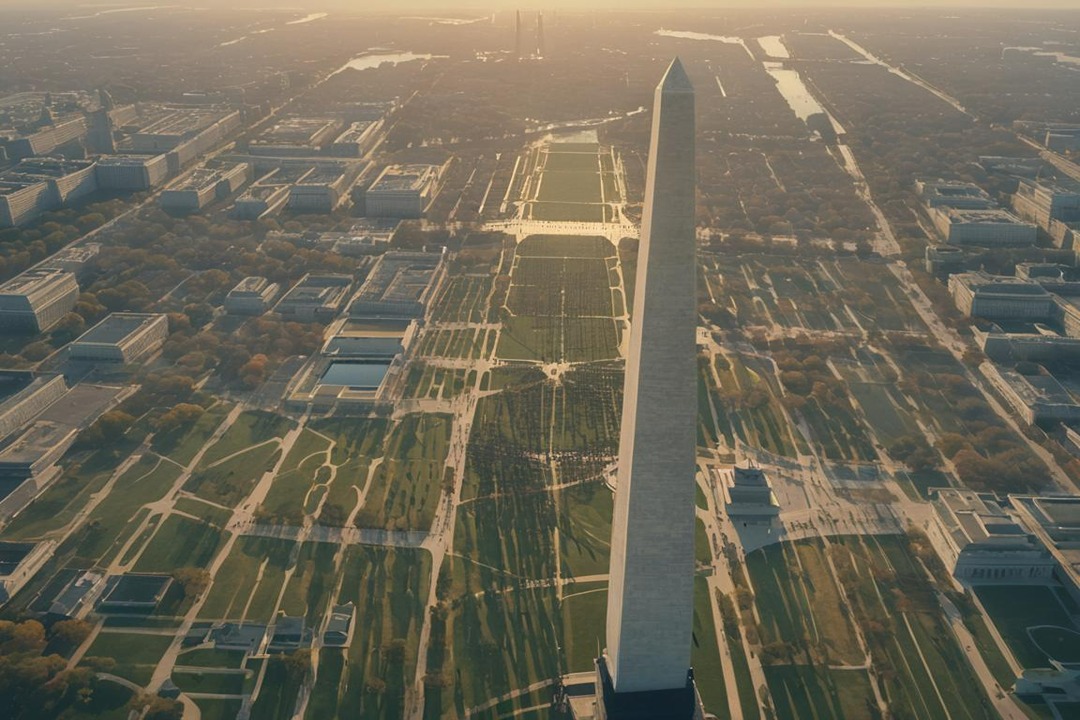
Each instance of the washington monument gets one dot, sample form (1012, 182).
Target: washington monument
(650, 596)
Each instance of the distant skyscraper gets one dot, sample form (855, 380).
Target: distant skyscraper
(645, 670)
(540, 34)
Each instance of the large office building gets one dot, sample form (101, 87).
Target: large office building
(132, 172)
(644, 672)
(986, 544)
(1041, 201)
(402, 191)
(39, 184)
(48, 138)
(316, 298)
(963, 195)
(356, 139)
(251, 296)
(37, 299)
(29, 402)
(990, 228)
(204, 186)
(1034, 398)
(320, 191)
(121, 338)
(1001, 297)
(397, 287)
(296, 137)
(167, 128)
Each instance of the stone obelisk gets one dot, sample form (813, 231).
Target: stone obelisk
(651, 587)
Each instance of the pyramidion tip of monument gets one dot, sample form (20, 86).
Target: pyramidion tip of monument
(676, 79)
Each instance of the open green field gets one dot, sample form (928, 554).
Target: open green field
(219, 708)
(250, 429)
(312, 582)
(247, 584)
(357, 442)
(116, 518)
(462, 299)
(57, 506)
(407, 486)
(584, 609)
(585, 529)
(180, 542)
(799, 601)
(182, 444)
(229, 481)
(136, 654)
(1033, 623)
(705, 655)
(803, 691)
(388, 588)
(301, 470)
(745, 403)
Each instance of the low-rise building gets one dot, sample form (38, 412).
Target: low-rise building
(1001, 297)
(402, 191)
(356, 139)
(134, 593)
(986, 544)
(295, 137)
(338, 630)
(1035, 398)
(320, 191)
(121, 338)
(37, 299)
(944, 259)
(316, 298)
(74, 259)
(28, 403)
(251, 296)
(989, 228)
(954, 194)
(39, 184)
(397, 287)
(1041, 201)
(48, 138)
(1055, 520)
(20, 561)
(260, 200)
(204, 186)
(132, 172)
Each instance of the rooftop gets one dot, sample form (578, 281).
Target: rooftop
(116, 327)
(398, 178)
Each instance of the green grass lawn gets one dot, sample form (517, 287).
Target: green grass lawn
(238, 580)
(801, 691)
(705, 655)
(182, 444)
(585, 529)
(407, 486)
(218, 709)
(1015, 608)
(389, 589)
(180, 542)
(135, 654)
(251, 428)
(210, 683)
(311, 584)
(584, 609)
(323, 703)
(230, 481)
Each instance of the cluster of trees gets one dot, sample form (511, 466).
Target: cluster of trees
(22, 247)
(35, 682)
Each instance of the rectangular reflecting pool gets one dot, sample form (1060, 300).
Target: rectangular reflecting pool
(357, 375)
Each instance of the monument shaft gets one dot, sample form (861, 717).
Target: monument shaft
(650, 596)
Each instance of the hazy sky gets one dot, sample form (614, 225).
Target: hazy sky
(405, 6)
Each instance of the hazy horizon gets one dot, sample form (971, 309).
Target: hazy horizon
(383, 6)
